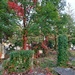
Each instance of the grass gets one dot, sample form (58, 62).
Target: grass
(72, 53)
(0, 72)
(47, 63)
(73, 63)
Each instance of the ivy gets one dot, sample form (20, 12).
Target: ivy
(62, 50)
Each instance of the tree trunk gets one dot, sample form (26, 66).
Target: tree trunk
(25, 31)
(24, 42)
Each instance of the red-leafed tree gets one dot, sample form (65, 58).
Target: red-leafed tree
(17, 8)
(22, 9)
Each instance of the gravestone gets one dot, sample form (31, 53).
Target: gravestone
(64, 71)
(72, 58)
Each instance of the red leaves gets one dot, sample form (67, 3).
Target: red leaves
(17, 8)
(12, 4)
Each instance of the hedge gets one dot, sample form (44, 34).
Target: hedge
(19, 61)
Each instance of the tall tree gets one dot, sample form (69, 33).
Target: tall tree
(48, 18)
(45, 16)
(23, 10)
(70, 20)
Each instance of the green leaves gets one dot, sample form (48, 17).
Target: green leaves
(8, 21)
(62, 50)
(44, 18)
(19, 61)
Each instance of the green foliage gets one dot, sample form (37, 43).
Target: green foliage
(72, 41)
(44, 21)
(19, 61)
(8, 21)
(18, 43)
(59, 4)
(62, 50)
(1, 73)
(70, 24)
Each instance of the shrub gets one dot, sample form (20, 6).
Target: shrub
(62, 50)
(19, 61)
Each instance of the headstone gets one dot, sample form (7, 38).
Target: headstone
(72, 59)
(64, 71)
(74, 48)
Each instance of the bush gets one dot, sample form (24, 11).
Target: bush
(19, 61)
(62, 50)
